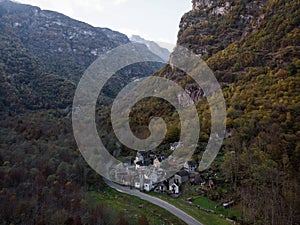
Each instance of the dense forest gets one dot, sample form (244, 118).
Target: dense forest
(253, 49)
(43, 177)
(257, 62)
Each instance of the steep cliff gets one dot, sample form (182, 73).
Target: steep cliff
(214, 24)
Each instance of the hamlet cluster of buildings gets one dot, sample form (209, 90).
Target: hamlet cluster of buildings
(145, 172)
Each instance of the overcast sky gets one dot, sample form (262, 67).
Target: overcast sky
(152, 19)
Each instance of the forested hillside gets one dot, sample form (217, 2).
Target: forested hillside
(43, 178)
(253, 49)
(44, 54)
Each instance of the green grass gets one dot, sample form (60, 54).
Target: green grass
(205, 203)
(203, 217)
(133, 207)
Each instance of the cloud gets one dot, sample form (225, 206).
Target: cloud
(68, 6)
(87, 11)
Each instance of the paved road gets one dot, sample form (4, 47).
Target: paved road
(172, 209)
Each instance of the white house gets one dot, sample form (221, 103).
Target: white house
(137, 183)
(148, 185)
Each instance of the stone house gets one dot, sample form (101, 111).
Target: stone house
(181, 176)
(191, 166)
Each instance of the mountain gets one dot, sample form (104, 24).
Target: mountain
(45, 53)
(166, 45)
(153, 47)
(253, 49)
(60, 44)
(251, 46)
(43, 177)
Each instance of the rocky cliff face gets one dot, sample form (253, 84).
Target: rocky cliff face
(214, 24)
(215, 29)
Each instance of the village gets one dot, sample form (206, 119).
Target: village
(147, 172)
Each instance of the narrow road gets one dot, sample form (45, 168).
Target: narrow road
(156, 201)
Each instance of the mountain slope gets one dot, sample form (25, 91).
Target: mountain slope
(253, 49)
(24, 85)
(61, 45)
(44, 54)
(43, 178)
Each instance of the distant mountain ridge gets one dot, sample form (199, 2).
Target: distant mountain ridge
(153, 47)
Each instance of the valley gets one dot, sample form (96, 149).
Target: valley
(252, 47)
